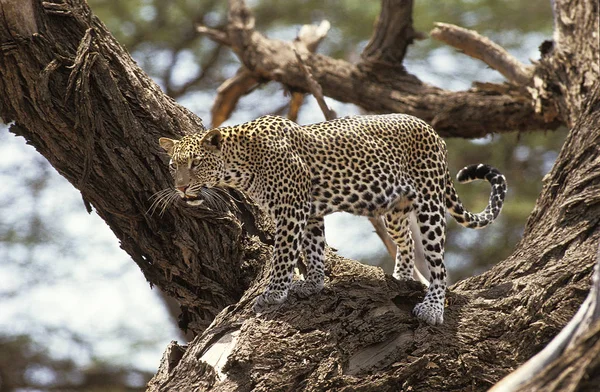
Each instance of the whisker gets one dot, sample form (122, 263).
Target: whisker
(209, 199)
(227, 198)
(228, 195)
(215, 200)
(168, 201)
(162, 199)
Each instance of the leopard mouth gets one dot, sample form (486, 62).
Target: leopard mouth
(190, 197)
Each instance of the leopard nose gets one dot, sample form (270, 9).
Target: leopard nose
(183, 188)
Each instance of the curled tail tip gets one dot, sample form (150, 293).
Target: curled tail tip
(496, 201)
(477, 172)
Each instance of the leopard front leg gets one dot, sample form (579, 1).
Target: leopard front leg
(314, 253)
(289, 232)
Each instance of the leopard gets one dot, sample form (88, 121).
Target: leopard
(384, 166)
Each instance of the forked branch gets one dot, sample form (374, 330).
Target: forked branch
(245, 81)
(477, 112)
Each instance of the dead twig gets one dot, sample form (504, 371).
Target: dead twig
(315, 89)
(214, 34)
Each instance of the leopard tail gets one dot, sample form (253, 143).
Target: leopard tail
(468, 174)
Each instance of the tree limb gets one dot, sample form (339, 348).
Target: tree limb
(580, 324)
(494, 321)
(477, 46)
(89, 109)
(473, 113)
(393, 34)
(229, 93)
(214, 34)
(316, 90)
(308, 39)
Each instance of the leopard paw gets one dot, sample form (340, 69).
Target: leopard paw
(267, 299)
(306, 288)
(430, 312)
(404, 275)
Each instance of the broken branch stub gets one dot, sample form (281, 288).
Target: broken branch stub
(245, 81)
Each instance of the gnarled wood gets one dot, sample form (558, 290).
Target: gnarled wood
(535, 370)
(78, 97)
(393, 35)
(494, 321)
(479, 47)
(470, 114)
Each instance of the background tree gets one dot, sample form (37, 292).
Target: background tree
(77, 84)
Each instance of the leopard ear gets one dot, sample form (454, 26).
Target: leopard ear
(167, 144)
(213, 140)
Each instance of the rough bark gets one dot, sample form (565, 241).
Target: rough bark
(549, 365)
(77, 96)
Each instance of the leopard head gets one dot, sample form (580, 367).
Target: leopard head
(196, 162)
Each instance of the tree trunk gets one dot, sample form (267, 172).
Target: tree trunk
(80, 100)
(77, 96)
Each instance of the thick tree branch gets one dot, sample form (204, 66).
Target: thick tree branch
(571, 63)
(571, 334)
(495, 321)
(229, 93)
(76, 95)
(477, 46)
(393, 34)
(473, 113)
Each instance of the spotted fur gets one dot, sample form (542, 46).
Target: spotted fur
(379, 166)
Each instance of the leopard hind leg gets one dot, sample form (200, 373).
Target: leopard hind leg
(314, 254)
(398, 227)
(430, 211)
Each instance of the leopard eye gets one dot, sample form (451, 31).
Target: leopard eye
(195, 162)
(172, 165)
